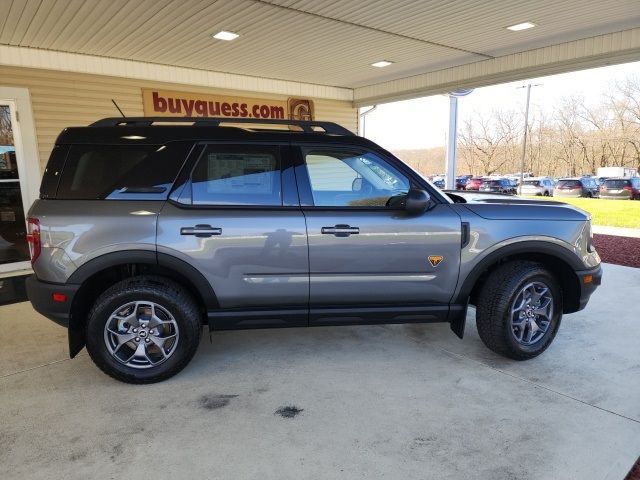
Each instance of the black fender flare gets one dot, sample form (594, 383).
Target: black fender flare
(146, 257)
(537, 247)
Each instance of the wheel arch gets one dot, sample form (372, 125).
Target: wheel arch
(98, 274)
(557, 259)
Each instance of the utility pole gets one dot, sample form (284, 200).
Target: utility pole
(526, 130)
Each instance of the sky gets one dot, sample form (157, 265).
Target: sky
(423, 122)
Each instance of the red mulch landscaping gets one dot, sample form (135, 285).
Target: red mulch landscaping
(634, 474)
(619, 250)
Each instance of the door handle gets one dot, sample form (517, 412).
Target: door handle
(340, 230)
(201, 231)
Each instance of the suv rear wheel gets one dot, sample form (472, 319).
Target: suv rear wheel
(519, 310)
(143, 330)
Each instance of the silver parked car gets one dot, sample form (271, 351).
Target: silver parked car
(577, 187)
(621, 188)
(146, 232)
(537, 186)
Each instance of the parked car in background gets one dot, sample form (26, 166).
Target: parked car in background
(621, 188)
(537, 186)
(439, 182)
(498, 185)
(474, 183)
(577, 187)
(461, 183)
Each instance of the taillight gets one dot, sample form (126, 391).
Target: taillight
(627, 188)
(33, 238)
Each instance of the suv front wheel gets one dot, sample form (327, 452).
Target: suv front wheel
(519, 310)
(143, 330)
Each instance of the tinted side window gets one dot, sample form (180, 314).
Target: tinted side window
(353, 179)
(121, 172)
(237, 176)
(51, 175)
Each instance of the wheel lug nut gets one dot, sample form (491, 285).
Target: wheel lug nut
(147, 340)
(135, 330)
(137, 339)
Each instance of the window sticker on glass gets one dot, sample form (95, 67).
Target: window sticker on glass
(233, 173)
(237, 178)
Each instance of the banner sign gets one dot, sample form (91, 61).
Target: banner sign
(167, 103)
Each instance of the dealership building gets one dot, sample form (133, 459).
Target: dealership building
(63, 66)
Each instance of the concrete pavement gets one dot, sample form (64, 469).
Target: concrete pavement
(397, 402)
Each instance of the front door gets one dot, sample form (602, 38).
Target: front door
(14, 251)
(369, 259)
(234, 223)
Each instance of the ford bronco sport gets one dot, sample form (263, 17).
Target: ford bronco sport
(146, 231)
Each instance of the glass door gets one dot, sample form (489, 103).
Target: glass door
(14, 251)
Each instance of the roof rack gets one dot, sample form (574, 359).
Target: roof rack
(305, 125)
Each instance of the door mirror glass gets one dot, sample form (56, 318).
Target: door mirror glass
(417, 201)
(356, 185)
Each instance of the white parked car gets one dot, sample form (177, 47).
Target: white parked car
(537, 186)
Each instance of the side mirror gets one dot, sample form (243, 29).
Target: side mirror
(417, 201)
(356, 185)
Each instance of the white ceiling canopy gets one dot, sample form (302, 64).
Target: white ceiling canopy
(330, 42)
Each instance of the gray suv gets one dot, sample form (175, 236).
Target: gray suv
(146, 231)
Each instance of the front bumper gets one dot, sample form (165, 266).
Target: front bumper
(40, 294)
(588, 287)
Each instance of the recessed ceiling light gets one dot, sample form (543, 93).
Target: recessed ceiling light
(381, 63)
(224, 35)
(521, 26)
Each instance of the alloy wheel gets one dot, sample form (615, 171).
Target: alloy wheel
(531, 313)
(141, 334)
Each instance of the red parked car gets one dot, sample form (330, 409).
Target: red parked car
(474, 183)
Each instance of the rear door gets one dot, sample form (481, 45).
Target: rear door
(235, 217)
(369, 260)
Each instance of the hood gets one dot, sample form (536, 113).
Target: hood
(509, 207)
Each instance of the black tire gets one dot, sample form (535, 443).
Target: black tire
(495, 300)
(163, 292)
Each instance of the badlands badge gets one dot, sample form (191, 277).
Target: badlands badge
(435, 260)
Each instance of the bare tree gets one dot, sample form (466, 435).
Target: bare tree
(6, 132)
(489, 143)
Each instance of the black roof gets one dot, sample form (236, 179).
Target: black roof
(159, 130)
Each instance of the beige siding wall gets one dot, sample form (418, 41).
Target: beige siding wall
(64, 99)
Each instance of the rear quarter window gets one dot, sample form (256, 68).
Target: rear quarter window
(121, 172)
